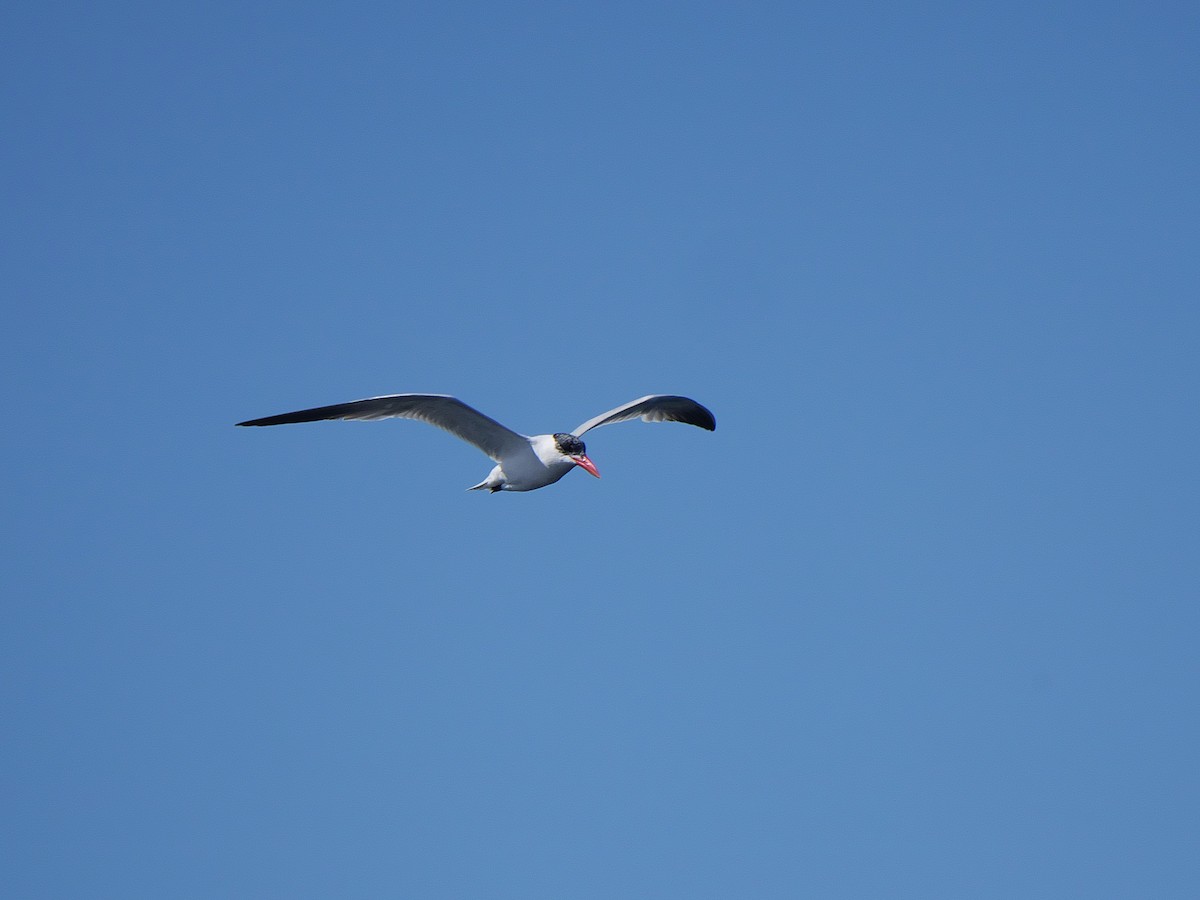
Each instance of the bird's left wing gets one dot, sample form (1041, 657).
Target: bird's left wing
(448, 413)
(655, 408)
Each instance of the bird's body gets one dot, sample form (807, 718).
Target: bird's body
(523, 463)
(535, 465)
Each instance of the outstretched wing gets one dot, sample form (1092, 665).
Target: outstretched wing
(441, 410)
(655, 408)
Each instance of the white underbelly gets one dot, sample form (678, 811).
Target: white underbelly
(528, 473)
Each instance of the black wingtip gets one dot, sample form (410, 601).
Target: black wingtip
(703, 418)
(292, 418)
(286, 419)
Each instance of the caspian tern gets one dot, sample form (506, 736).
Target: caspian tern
(522, 463)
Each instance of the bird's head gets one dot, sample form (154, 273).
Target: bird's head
(573, 449)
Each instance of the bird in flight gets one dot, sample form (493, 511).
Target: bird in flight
(522, 463)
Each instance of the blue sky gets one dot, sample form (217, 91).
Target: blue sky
(918, 620)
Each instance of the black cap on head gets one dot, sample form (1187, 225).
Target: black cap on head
(569, 445)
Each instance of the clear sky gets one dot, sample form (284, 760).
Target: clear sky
(918, 620)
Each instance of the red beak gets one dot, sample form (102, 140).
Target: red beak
(584, 463)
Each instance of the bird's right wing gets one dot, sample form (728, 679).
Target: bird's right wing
(654, 408)
(445, 412)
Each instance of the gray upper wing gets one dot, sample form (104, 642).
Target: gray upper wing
(441, 410)
(655, 408)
